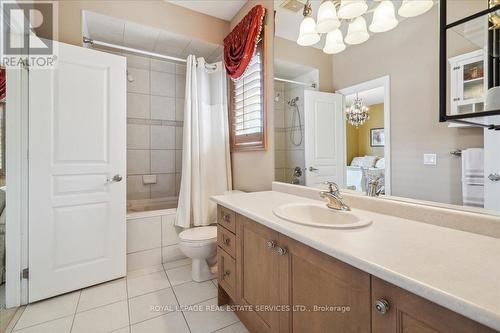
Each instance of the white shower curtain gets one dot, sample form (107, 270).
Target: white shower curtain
(206, 164)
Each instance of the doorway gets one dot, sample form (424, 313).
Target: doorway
(368, 145)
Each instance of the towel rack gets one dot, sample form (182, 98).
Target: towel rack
(456, 152)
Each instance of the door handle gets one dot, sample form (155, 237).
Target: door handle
(494, 177)
(312, 169)
(116, 179)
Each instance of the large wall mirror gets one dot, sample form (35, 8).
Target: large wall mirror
(357, 99)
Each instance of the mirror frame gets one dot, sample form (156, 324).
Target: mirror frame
(443, 28)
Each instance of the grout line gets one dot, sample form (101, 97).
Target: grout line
(76, 309)
(177, 300)
(15, 319)
(220, 329)
(41, 323)
(128, 305)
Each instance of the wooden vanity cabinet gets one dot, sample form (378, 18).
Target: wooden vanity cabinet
(310, 291)
(410, 313)
(325, 294)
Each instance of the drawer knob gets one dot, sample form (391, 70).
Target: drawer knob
(226, 217)
(382, 306)
(227, 273)
(282, 251)
(226, 241)
(271, 244)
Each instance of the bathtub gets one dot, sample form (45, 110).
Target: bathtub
(152, 237)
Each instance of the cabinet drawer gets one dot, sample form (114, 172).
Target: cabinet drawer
(226, 218)
(227, 241)
(226, 272)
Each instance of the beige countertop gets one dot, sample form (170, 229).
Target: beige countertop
(456, 269)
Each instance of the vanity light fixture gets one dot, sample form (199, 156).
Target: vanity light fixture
(334, 42)
(384, 18)
(327, 18)
(349, 17)
(412, 8)
(357, 113)
(356, 33)
(308, 34)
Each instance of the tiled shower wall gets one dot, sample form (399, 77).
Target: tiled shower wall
(155, 105)
(288, 156)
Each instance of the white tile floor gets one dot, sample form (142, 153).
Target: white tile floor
(158, 299)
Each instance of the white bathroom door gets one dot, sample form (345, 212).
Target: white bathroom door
(77, 144)
(324, 138)
(492, 169)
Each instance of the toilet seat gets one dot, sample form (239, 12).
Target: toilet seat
(199, 235)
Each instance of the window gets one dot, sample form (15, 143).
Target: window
(247, 111)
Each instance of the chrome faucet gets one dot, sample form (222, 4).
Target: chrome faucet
(334, 198)
(374, 187)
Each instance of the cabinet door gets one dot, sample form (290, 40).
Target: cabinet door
(410, 313)
(257, 274)
(325, 294)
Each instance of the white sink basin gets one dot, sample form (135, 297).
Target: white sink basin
(318, 215)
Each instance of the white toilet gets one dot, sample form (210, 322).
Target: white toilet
(200, 244)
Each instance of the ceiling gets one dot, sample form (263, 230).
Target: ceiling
(289, 71)
(225, 11)
(115, 31)
(369, 97)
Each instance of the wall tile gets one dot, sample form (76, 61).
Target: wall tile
(162, 107)
(170, 233)
(178, 137)
(162, 161)
(279, 140)
(178, 177)
(144, 259)
(163, 84)
(138, 162)
(295, 158)
(179, 109)
(162, 66)
(280, 159)
(137, 106)
(165, 186)
(178, 160)
(162, 137)
(138, 136)
(140, 84)
(180, 69)
(180, 86)
(144, 234)
(136, 189)
(139, 62)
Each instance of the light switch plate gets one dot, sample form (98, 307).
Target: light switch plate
(430, 159)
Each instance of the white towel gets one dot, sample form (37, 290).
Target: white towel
(473, 177)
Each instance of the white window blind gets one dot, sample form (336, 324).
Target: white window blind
(248, 105)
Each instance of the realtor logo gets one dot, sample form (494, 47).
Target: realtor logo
(22, 24)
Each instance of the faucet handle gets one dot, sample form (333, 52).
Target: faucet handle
(332, 187)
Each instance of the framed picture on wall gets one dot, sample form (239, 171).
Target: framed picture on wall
(377, 137)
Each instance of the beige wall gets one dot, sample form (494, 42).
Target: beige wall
(409, 55)
(254, 171)
(158, 14)
(307, 56)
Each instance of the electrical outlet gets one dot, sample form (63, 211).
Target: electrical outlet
(430, 159)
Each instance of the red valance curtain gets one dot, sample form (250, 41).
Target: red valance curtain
(239, 45)
(3, 84)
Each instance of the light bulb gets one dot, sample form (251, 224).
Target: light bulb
(350, 9)
(327, 18)
(411, 8)
(356, 33)
(384, 18)
(334, 42)
(307, 33)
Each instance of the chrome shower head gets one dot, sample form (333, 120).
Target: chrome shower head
(293, 101)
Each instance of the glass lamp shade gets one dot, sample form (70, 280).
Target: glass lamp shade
(384, 18)
(350, 9)
(327, 18)
(334, 42)
(307, 34)
(411, 8)
(356, 33)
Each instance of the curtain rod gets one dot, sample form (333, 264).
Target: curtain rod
(132, 50)
(313, 85)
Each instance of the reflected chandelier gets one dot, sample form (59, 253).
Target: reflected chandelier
(333, 13)
(357, 113)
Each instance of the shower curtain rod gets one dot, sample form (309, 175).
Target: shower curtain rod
(313, 85)
(129, 49)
